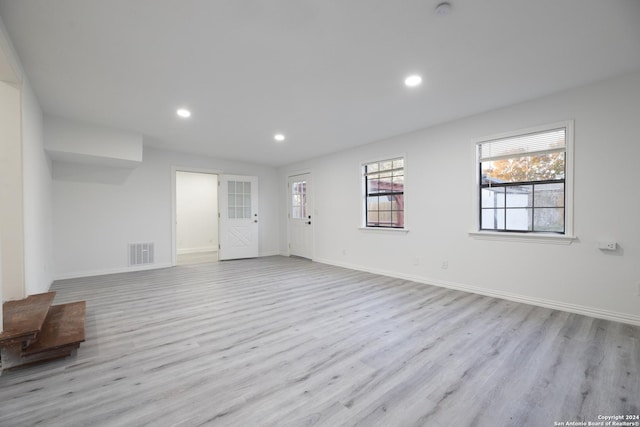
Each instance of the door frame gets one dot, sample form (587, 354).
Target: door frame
(314, 211)
(174, 207)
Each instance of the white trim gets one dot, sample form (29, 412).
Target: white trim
(568, 186)
(558, 239)
(297, 173)
(363, 197)
(385, 229)
(116, 270)
(631, 319)
(197, 170)
(568, 179)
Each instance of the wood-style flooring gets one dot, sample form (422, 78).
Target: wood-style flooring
(197, 258)
(286, 342)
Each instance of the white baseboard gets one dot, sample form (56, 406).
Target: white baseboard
(91, 273)
(541, 302)
(184, 251)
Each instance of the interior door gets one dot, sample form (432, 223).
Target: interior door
(299, 216)
(238, 217)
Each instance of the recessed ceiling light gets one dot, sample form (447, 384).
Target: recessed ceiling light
(184, 113)
(443, 9)
(278, 137)
(413, 80)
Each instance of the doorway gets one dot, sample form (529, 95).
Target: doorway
(196, 233)
(299, 216)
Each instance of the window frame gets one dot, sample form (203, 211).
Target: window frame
(528, 236)
(364, 194)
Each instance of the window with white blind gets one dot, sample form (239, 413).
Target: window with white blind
(384, 193)
(524, 181)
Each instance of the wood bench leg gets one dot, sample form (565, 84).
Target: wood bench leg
(10, 355)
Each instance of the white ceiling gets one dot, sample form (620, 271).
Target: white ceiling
(327, 73)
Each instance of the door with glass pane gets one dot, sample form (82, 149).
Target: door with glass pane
(238, 217)
(299, 216)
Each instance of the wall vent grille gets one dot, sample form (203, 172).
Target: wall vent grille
(140, 254)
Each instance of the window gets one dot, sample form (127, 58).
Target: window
(523, 181)
(239, 193)
(384, 193)
(299, 200)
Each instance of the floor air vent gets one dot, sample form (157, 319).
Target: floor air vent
(140, 254)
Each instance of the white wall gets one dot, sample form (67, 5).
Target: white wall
(1, 298)
(29, 251)
(196, 212)
(69, 140)
(11, 205)
(440, 167)
(38, 203)
(94, 219)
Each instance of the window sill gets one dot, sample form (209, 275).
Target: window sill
(556, 239)
(385, 230)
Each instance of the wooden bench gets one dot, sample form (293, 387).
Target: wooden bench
(36, 331)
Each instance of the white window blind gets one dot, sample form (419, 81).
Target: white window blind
(550, 141)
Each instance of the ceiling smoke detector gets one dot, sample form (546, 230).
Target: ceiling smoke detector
(443, 9)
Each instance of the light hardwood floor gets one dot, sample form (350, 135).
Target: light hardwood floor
(287, 342)
(197, 258)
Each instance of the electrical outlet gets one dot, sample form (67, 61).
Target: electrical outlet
(607, 246)
(638, 290)
(416, 261)
(445, 264)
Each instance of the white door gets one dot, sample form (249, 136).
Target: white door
(238, 217)
(299, 216)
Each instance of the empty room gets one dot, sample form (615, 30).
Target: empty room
(319, 213)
